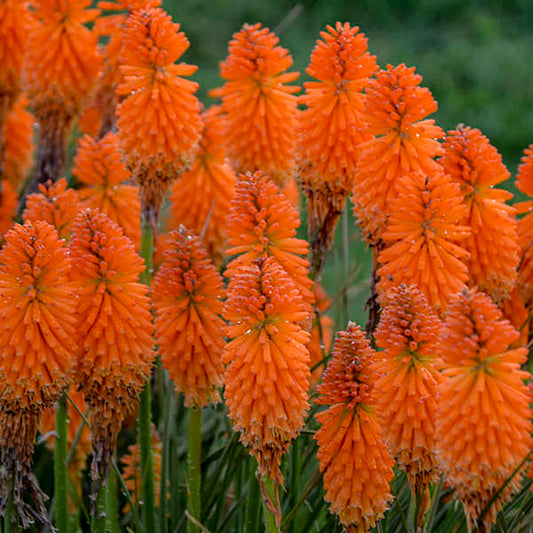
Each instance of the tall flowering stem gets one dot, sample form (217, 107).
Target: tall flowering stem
(483, 425)
(353, 457)
(267, 376)
(330, 129)
(37, 347)
(60, 467)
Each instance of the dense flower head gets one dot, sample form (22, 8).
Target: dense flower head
(55, 204)
(187, 295)
(483, 418)
(524, 182)
(267, 376)
(17, 140)
(159, 120)
(115, 323)
(403, 141)
(514, 309)
(353, 457)
(261, 223)
(408, 334)
(103, 178)
(330, 126)
(8, 207)
(424, 239)
(38, 340)
(15, 23)
(476, 166)
(260, 108)
(62, 59)
(200, 200)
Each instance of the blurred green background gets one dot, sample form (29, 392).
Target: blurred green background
(476, 57)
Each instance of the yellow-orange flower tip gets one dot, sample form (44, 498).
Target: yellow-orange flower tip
(55, 204)
(115, 323)
(403, 141)
(267, 376)
(353, 457)
(260, 108)
(61, 60)
(17, 134)
(514, 309)
(200, 200)
(425, 239)
(38, 343)
(131, 469)
(408, 334)
(187, 295)
(159, 123)
(476, 166)
(483, 415)
(8, 207)
(103, 176)
(262, 223)
(321, 334)
(330, 126)
(15, 23)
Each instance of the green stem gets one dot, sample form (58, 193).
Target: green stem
(269, 500)
(111, 503)
(11, 518)
(165, 459)
(194, 474)
(252, 509)
(145, 406)
(98, 522)
(60, 468)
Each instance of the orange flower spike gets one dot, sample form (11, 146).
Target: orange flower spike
(261, 223)
(15, 23)
(187, 296)
(356, 465)
(18, 144)
(406, 388)
(404, 141)
(8, 207)
(475, 165)
(514, 309)
(38, 343)
(115, 322)
(483, 418)
(330, 127)
(260, 108)
(524, 182)
(103, 176)
(200, 200)
(159, 122)
(56, 205)
(267, 376)
(424, 239)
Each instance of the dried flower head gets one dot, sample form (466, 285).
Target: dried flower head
(200, 200)
(267, 376)
(103, 179)
(260, 108)
(424, 239)
(115, 323)
(187, 295)
(38, 343)
(159, 120)
(55, 204)
(483, 418)
(353, 457)
(475, 165)
(408, 334)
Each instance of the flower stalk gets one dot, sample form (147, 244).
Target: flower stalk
(60, 467)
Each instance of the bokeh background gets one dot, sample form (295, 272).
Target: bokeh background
(475, 56)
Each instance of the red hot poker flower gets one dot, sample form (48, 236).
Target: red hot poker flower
(353, 457)
(187, 295)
